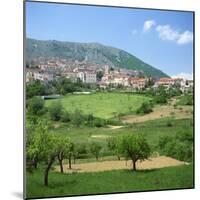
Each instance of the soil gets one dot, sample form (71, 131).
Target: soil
(152, 163)
(160, 112)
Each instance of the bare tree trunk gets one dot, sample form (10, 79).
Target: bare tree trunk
(35, 161)
(60, 160)
(118, 157)
(134, 165)
(46, 173)
(70, 162)
(61, 165)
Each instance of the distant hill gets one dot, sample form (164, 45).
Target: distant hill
(94, 53)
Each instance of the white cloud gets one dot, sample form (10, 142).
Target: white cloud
(148, 25)
(187, 76)
(165, 32)
(185, 38)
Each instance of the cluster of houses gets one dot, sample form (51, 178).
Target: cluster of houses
(116, 78)
(111, 77)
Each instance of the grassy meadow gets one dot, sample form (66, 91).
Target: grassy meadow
(110, 181)
(103, 105)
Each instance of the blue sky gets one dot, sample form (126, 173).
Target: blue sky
(163, 39)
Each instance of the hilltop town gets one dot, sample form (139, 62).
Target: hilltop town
(103, 76)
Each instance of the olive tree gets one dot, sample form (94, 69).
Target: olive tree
(113, 146)
(69, 153)
(45, 146)
(95, 149)
(62, 145)
(135, 147)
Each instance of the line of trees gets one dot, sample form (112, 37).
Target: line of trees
(45, 147)
(57, 86)
(56, 112)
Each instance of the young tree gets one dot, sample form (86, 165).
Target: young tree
(44, 145)
(95, 149)
(62, 150)
(113, 145)
(69, 153)
(135, 147)
(55, 111)
(78, 118)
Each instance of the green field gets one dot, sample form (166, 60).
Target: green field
(103, 105)
(110, 105)
(110, 182)
(151, 129)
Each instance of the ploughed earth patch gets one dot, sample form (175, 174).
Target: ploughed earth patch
(152, 163)
(160, 112)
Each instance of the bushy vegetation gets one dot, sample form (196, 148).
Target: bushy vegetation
(185, 100)
(179, 146)
(35, 89)
(145, 108)
(57, 86)
(55, 111)
(36, 106)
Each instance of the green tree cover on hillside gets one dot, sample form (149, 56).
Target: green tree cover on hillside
(96, 54)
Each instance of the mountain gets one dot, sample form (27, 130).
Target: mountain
(95, 53)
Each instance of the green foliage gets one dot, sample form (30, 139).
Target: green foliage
(65, 117)
(135, 147)
(55, 111)
(179, 146)
(145, 108)
(99, 75)
(95, 149)
(36, 106)
(185, 100)
(77, 118)
(160, 99)
(114, 146)
(35, 89)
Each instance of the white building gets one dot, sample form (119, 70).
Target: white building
(87, 76)
(43, 76)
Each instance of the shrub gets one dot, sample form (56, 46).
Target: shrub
(65, 117)
(77, 118)
(145, 108)
(55, 111)
(36, 106)
(160, 99)
(169, 124)
(179, 146)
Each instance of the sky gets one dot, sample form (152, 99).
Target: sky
(163, 39)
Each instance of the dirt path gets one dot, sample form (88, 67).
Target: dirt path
(153, 163)
(160, 112)
(115, 127)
